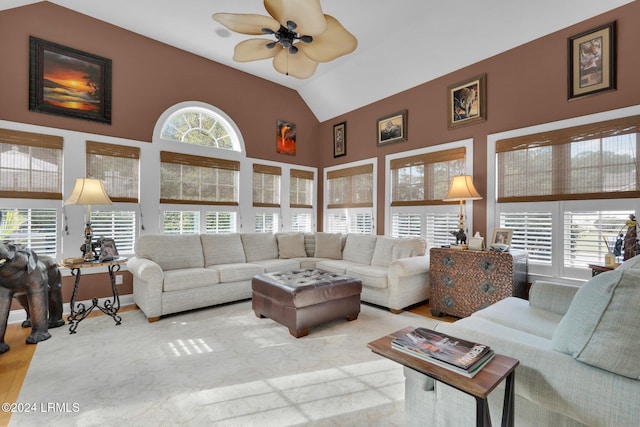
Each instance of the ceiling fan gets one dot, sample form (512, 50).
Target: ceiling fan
(304, 36)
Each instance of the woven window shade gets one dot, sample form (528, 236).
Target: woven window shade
(301, 189)
(266, 186)
(118, 168)
(593, 161)
(188, 179)
(424, 179)
(350, 187)
(30, 165)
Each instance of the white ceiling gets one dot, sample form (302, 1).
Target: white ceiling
(401, 43)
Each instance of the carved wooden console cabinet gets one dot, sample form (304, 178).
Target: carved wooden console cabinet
(464, 281)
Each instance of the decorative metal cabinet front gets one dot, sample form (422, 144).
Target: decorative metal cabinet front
(465, 281)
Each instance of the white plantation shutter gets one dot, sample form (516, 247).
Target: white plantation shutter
(34, 228)
(360, 222)
(181, 222)
(220, 222)
(406, 225)
(302, 222)
(532, 232)
(117, 225)
(266, 222)
(439, 227)
(337, 222)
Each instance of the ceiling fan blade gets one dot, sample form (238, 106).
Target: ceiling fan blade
(333, 43)
(306, 14)
(254, 50)
(247, 23)
(298, 65)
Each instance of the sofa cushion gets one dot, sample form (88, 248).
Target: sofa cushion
(291, 245)
(359, 248)
(259, 246)
(382, 254)
(630, 264)
(274, 265)
(222, 249)
(171, 252)
(189, 278)
(336, 265)
(371, 276)
(406, 248)
(601, 325)
(237, 272)
(328, 245)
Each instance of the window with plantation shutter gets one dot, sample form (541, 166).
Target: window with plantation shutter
(406, 225)
(181, 222)
(266, 222)
(532, 232)
(220, 222)
(190, 179)
(117, 225)
(302, 222)
(337, 222)
(594, 161)
(30, 165)
(424, 179)
(266, 186)
(301, 189)
(350, 187)
(33, 228)
(118, 168)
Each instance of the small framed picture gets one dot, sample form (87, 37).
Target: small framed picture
(392, 128)
(467, 102)
(502, 236)
(592, 61)
(108, 250)
(286, 138)
(340, 139)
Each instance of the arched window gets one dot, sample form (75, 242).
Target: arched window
(199, 124)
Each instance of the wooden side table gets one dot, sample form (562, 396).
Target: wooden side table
(465, 281)
(597, 268)
(480, 386)
(110, 307)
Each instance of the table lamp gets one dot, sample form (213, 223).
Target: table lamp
(461, 189)
(88, 191)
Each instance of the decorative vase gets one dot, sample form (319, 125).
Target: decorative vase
(610, 259)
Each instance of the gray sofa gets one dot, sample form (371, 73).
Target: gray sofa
(578, 349)
(174, 273)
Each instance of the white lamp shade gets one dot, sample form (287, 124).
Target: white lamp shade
(88, 191)
(462, 189)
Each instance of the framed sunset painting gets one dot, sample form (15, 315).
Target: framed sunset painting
(68, 82)
(286, 138)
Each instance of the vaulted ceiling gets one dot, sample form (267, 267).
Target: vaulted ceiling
(401, 44)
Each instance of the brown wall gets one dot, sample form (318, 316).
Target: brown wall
(148, 78)
(525, 86)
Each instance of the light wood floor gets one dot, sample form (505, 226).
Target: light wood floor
(15, 362)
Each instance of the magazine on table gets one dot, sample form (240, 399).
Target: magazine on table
(458, 355)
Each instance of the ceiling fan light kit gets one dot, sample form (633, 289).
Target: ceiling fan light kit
(304, 36)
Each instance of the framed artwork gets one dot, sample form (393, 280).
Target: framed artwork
(108, 250)
(592, 61)
(340, 139)
(502, 236)
(286, 138)
(69, 82)
(467, 102)
(392, 128)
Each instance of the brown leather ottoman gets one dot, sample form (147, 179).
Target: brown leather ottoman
(301, 299)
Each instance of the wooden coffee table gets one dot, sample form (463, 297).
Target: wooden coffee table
(498, 369)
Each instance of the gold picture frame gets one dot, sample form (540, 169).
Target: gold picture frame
(592, 61)
(392, 128)
(467, 102)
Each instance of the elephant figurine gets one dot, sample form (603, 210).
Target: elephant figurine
(460, 235)
(35, 282)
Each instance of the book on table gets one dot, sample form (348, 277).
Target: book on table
(461, 356)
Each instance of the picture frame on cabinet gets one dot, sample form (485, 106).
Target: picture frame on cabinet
(592, 61)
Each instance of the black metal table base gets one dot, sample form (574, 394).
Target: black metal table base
(110, 307)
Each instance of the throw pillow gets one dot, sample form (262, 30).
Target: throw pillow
(291, 245)
(601, 325)
(630, 264)
(328, 245)
(406, 248)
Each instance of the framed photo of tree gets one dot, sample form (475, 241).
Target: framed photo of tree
(69, 82)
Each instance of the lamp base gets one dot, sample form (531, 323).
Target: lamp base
(87, 247)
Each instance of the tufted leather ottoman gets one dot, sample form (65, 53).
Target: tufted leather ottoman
(301, 299)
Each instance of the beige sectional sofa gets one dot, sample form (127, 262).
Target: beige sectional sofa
(174, 273)
(578, 349)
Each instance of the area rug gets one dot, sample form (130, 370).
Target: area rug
(220, 366)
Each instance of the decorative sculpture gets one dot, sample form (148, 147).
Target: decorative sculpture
(631, 238)
(460, 235)
(36, 284)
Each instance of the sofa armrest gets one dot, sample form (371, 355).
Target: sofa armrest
(412, 266)
(148, 279)
(553, 297)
